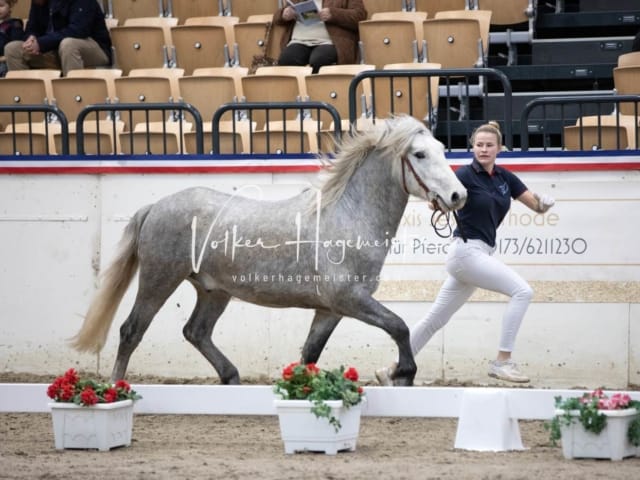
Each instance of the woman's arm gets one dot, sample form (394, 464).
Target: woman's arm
(536, 202)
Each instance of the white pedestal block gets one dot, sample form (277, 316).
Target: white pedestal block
(485, 423)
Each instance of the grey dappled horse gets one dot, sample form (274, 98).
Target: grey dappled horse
(322, 249)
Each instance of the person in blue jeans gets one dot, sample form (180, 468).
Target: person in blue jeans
(470, 263)
(10, 29)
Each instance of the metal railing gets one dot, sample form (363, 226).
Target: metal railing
(307, 120)
(51, 115)
(463, 90)
(585, 106)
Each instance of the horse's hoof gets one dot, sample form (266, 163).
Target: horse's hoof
(402, 382)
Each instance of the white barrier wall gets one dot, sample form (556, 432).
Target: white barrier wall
(60, 222)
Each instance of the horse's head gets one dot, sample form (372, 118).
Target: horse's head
(423, 168)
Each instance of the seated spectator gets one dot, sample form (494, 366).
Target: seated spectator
(332, 39)
(62, 34)
(10, 29)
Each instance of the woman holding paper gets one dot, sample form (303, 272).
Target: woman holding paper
(320, 32)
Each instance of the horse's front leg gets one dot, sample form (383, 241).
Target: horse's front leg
(370, 311)
(323, 325)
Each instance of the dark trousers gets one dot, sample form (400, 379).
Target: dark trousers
(318, 56)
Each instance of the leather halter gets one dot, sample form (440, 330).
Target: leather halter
(405, 161)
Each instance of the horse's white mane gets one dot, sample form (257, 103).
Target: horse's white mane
(392, 138)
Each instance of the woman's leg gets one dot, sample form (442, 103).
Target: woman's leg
(322, 55)
(452, 295)
(485, 271)
(295, 54)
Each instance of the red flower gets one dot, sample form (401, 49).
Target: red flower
(110, 395)
(66, 392)
(287, 372)
(312, 369)
(351, 374)
(88, 396)
(71, 376)
(123, 385)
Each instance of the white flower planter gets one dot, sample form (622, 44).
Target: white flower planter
(611, 443)
(301, 430)
(102, 426)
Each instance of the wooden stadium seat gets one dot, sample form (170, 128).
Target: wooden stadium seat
(236, 73)
(207, 92)
(612, 126)
(604, 137)
(416, 17)
(431, 7)
(483, 18)
(155, 138)
(99, 138)
(123, 10)
(233, 139)
(270, 88)
(21, 10)
(298, 72)
(244, 8)
(72, 95)
(375, 6)
(630, 59)
(278, 140)
(143, 89)
(250, 38)
(626, 81)
(415, 96)
(199, 46)
(513, 12)
(515, 20)
(331, 85)
(140, 47)
(224, 21)
(453, 42)
(107, 74)
(186, 9)
(44, 74)
(24, 143)
(172, 74)
(388, 41)
(22, 91)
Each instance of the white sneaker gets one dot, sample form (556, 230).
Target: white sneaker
(507, 370)
(383, 375)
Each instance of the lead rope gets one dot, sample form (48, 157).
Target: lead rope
(437, 214)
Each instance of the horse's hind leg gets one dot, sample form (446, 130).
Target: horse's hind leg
(149, 300)
(323, 325)
(199, 329)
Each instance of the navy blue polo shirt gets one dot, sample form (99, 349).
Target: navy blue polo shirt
(488, 200)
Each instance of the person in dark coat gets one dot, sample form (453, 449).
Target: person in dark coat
(10, 29)
(333, 39)
(62, 34)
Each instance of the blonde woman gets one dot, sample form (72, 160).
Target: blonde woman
(470, 263)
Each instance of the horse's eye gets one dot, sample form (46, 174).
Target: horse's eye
(419, 154)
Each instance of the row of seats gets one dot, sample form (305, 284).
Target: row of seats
(207, 89)
(455, 39)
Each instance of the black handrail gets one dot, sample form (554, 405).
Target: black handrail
(176, 109)
(442, 73)
(49, 111)
(575, 100)
(247, 109)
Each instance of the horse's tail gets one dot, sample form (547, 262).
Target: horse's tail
(115, 281)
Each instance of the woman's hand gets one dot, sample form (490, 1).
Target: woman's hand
(325, 14)
(545, 202)
(288, 14)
